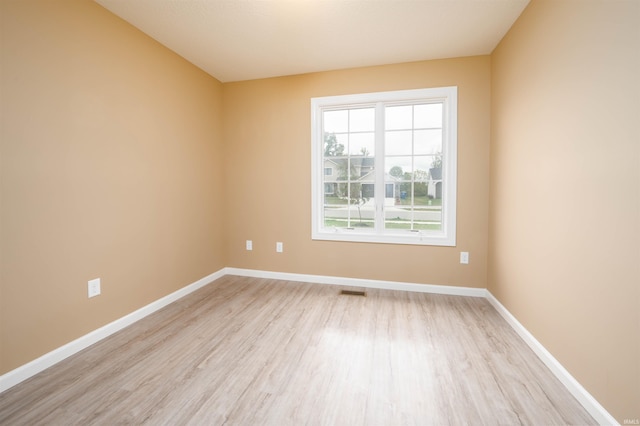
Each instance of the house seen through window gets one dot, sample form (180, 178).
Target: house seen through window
(384, 167)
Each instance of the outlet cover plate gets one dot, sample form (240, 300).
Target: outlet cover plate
(93, 287)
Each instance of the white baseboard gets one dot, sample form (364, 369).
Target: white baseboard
(47, 360)
(589, 403)
(359, 282)
(32, 368)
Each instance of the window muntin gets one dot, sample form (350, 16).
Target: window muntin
(393, 156)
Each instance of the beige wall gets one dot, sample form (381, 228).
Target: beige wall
(565, 189)
(268, 190)
(110, 167)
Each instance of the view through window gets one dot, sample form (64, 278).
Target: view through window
(387, 165)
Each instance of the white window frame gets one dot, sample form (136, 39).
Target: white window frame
(449, 98)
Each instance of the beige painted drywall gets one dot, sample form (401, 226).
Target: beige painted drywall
(565, 189)
(268, 170)
(110, 167)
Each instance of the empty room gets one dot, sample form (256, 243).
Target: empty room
(324, 212)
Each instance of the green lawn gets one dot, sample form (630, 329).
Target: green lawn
(417, 201)
(329, 200)
(416, 225)
(421, 201)
(396, 224)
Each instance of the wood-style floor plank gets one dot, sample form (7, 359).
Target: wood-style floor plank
(249, 351)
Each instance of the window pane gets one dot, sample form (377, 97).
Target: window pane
(428, 116)
(335, 216)
(397, 166)
(398, 117)
(397, 218)
(362, 144)
(331, 198)
(338, 168)
(422, 165)
(390, 190)
(398, 142)
(362, 120)
(336, 121)
(368, 191)
(427, 142)
(420, 193)
(334, 144)
(360, 167)
(420, 176)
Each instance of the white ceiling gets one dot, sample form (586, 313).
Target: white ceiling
(237, 40)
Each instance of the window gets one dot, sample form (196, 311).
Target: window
(392, 157)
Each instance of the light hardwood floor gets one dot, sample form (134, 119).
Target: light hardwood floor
(248, 351)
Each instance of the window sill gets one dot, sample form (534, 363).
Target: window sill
(408, 238)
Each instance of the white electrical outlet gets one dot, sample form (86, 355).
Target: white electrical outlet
(249, 245)
(93, 287)
(279, 247)
(464, 257)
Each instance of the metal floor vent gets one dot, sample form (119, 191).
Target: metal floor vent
(352, 293)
